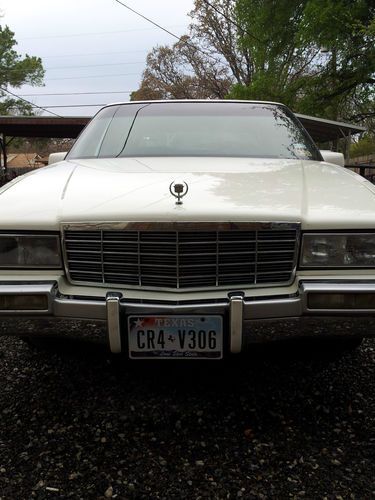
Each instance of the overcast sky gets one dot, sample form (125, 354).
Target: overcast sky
(90, 45)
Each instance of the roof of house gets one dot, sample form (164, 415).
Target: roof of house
(23, 159)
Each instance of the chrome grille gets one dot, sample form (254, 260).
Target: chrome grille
(181, 259)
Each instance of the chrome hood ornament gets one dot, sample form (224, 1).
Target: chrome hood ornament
(178, 190)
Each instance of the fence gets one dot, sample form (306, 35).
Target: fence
(365, 166)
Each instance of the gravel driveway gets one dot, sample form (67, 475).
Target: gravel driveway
(85, 425)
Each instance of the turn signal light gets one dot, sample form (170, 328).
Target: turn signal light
(23, 302)
(341, 300)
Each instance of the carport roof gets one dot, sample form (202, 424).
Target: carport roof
(42, 126)
(321, 130)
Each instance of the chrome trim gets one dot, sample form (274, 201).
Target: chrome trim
(263, 319)
(70, 308)
(181, 226)
(335, 287)
(338, 286)
(236, 307)
(46, 289)
(191, 309)
(178, 195)
(113, 321)
(34, 235)
(254, 331)
(268, 308)
(332, 233)
(177, 225)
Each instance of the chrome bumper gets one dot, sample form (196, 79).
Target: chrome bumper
(247, 320)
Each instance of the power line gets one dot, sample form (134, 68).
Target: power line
(75, 106)
(74, 67)
(95, 54)
(180, 39)
(95, 65)
(29, 102)
(85, 34)
(78, 93)
(148, 20)
(229, 19)
(90, 76)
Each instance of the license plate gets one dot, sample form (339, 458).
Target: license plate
(188, 337)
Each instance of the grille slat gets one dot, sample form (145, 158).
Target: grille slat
(181, 259)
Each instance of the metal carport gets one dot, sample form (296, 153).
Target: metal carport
(321, 130)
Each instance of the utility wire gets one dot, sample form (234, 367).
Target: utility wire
(76, 106)
(74, 67)
(186, 42)
(29, 102)
(78, 93)
(94, 65)
(180, 39)
(89, 76)
(85, 34)
(229, 19)
(148, 20)
(144, 51)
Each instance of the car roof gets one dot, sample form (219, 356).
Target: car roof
(174, 101)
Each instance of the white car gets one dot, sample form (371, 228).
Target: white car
(189, 229)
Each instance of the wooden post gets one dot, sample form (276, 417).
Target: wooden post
(348, 144)
(3, 154)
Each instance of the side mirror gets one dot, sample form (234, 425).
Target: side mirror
(333, 157)
(55, 157)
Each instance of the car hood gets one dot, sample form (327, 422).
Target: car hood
(317, 194)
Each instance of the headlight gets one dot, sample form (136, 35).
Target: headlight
(338, 250)
(30, 251)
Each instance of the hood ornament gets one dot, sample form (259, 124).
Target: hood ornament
(178, 190)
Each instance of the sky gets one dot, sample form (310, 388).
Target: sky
(90, 46)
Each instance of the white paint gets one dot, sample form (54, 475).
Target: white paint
(317, 194)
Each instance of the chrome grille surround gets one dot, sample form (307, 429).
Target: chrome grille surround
(181, 256)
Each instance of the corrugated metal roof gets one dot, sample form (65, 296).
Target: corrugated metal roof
(42, 126)
(322, 130)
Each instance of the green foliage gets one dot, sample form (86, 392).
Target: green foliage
(15, 71)
(317, 56)
(363, 147)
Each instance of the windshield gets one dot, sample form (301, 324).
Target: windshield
(195, 129)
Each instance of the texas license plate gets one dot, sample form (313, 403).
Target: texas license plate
(194, 337)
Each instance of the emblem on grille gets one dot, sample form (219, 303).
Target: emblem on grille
(178, 190)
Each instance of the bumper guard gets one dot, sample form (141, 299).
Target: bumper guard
(250, 320)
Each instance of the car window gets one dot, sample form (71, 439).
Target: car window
(118, 130)
(201, 129)
(89, 142)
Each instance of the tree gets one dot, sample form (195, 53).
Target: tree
(270, 31)
(345, 82)
(203, 64)
(317, 56)
(364, 147)
(182, 71)
(15, 71)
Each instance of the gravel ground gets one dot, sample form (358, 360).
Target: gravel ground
(86, 425)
